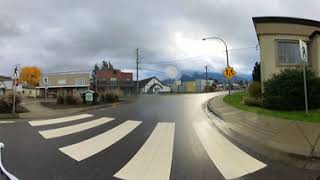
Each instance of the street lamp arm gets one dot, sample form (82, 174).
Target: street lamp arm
(225, 44)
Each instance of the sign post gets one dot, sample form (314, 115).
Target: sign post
(229, 73)
(45, 83)
(15, 76)
(304, 58)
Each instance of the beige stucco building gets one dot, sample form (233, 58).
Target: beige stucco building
(65, 82)
(279, 43)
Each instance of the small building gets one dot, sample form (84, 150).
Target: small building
(201, 84)
(189, 86)
(65, 82)
(6, 85)
(153, 85)
(29, 91)
(176, 86)
(108, 80)
(279, 43)
(3, 84)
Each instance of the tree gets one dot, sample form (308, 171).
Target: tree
(256, 73)
(30, 75)
(104, 65)
(93, 77)
(110, 66)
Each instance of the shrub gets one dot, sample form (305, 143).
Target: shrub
(7, 101)
(108, 97)
(77, 98)
(285, 91)
(254, 90)
(252, 101)
(111, 97)
(9, 97)
(68, 99)
(60, 98)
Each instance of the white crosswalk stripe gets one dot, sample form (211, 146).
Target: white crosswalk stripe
(59, 120)
(92, 146)
(231, 161)
(153, 160)
(54, 133)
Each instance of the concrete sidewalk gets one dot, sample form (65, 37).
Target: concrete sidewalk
(300, 139)
(38, 111)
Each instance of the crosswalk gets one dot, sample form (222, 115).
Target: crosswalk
(231, 161)
(92, 146)
(154, 158)
(157, 151)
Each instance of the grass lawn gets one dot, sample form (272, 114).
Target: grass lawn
(236, 101)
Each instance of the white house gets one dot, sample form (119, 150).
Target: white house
(153, 86)
(6, 85)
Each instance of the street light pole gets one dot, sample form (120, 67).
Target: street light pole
(227, 55)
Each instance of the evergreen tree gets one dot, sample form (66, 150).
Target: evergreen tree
(104, 65)
(110, 66)
(256, 76)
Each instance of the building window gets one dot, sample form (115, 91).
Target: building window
(113, 81)
(79, 82)
(289, 53)
(61, 81)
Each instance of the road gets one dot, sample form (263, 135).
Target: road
(156, 137)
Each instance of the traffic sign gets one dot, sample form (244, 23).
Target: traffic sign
(303, 51)
(45, 82)
(16, 71)
(229, 73)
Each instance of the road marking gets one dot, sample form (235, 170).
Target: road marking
(53, 133)
(231, 161)
(7, 122)
(153, 160)
(90, 147)
(59, 120)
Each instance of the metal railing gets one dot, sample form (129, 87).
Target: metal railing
(2, 169)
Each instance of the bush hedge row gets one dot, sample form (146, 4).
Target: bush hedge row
(285, 91)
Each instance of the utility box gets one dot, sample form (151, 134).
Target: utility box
(88, 96)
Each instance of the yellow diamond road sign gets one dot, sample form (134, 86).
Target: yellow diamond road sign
(229, 73)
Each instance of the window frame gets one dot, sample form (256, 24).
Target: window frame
(82, 79)
(62, 80)
(278, 64)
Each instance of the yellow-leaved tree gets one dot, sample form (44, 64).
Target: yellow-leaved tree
(30, 75)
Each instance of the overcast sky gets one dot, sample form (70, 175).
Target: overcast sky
(74, 35)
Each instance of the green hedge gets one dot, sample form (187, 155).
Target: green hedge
(285, 91)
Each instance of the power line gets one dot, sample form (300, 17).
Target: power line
(195, 57)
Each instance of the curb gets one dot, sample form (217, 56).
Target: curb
(298, 160)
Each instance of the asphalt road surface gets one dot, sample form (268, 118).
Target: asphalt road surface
(156, 137)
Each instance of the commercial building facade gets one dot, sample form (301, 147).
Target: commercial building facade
(65, 82)
(110, 80)
(279, 43)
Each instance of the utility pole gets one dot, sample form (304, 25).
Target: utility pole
(206, 74)
(137, 61)
(206, 86)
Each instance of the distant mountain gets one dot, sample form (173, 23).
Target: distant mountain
(191, 76)
(168, 81)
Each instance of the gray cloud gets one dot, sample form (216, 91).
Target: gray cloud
(74, 35)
